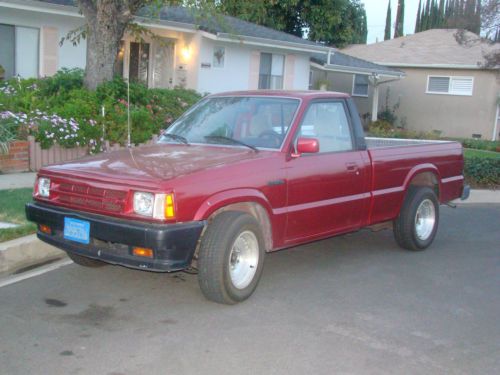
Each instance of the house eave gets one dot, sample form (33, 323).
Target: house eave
(431, 66)
(354, 70)
(36, 6)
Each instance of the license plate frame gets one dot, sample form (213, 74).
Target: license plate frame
(76, 230)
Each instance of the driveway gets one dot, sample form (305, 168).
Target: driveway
(356, 304)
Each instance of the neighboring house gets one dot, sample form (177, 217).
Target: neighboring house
(446, 89)
(207, 55)
(360, 78)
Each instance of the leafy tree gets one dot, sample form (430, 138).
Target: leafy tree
(337, 22)
(387, 31)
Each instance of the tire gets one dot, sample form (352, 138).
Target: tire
(226, 275)
(416, 226)
(86, 262)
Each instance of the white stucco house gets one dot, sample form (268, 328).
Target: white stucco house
(191, 51)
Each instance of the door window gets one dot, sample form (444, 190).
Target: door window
(139, 62)
(327, 121)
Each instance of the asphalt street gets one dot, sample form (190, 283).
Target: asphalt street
(355, 304)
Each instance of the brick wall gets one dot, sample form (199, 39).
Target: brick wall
(17, 160)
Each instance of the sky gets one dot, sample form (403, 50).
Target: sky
(376, 11)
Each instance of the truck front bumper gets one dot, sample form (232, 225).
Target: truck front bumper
(112, 240)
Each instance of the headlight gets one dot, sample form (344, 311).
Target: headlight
(159, 206)
(44, 187)
(144, 203)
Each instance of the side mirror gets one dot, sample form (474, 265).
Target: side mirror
(306, 146)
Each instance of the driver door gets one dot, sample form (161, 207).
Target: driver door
(327, 191)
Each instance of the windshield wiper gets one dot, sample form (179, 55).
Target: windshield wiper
(176, 137)
(230, 140)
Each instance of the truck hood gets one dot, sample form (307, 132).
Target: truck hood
(155, 163)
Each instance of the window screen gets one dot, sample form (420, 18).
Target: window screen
(360, 87)
(271, 71)
(450, 85)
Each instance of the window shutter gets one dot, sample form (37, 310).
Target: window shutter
(461, 86)
(289, 72)
(49, 51)
(439, 84)
(253, 80)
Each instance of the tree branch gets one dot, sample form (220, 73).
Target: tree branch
(88, 8)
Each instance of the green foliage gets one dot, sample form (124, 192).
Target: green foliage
(337, 22)
(450, 14)
(400, 19)
(8, 133)
(60, 110)
(483, 171)
(12, 210)
(387, 30)
(481, 144)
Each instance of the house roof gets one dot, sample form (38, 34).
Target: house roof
(341, 62)
(431, 48)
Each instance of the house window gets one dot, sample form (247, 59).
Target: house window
(450, 85)
(271, 71)
(360, 85)
(19, 51)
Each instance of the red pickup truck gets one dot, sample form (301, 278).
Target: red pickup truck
(241, 174)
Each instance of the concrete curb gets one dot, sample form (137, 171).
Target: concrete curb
(25, 252)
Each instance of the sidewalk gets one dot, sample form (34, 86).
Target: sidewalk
(17, 180)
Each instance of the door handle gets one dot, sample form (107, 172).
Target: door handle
(352, 167)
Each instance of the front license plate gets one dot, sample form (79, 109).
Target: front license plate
(76, 230)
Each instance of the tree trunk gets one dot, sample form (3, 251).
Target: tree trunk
(106, 23)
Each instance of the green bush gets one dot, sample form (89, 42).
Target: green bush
(481, 171)
(481, 144)
(60, 110)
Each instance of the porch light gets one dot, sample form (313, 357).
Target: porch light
(186, 52)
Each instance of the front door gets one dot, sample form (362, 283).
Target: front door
(328, 190)
(163, 64)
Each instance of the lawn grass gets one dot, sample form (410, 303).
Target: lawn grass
(472, 153)
(12, 203)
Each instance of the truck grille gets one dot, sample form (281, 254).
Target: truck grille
(84, 196)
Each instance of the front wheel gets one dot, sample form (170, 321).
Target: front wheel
(231, 258)
(417, 223)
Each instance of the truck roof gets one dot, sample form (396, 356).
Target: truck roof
(287, 93)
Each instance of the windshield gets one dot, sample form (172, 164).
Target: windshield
(241, 121)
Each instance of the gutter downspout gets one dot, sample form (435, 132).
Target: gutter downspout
(495, 124)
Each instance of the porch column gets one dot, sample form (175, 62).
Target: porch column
(375, 102)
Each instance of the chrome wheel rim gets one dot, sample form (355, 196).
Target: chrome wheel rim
(243, 259)
(425, 219)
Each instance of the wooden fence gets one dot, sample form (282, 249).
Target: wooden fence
(39, 157)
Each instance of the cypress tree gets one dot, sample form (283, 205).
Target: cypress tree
(441, 13)
(387, 33)
(417, 23)
(400, 19)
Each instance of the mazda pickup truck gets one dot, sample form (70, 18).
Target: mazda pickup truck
(239, 175)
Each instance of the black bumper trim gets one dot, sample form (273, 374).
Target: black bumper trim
(465, 192)
(173, 244)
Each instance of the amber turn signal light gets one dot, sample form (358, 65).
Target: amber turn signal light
(44, 229)
(142, 252)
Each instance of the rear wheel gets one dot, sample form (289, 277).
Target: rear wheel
(231, 258)
(417, 223)
(86, 262)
